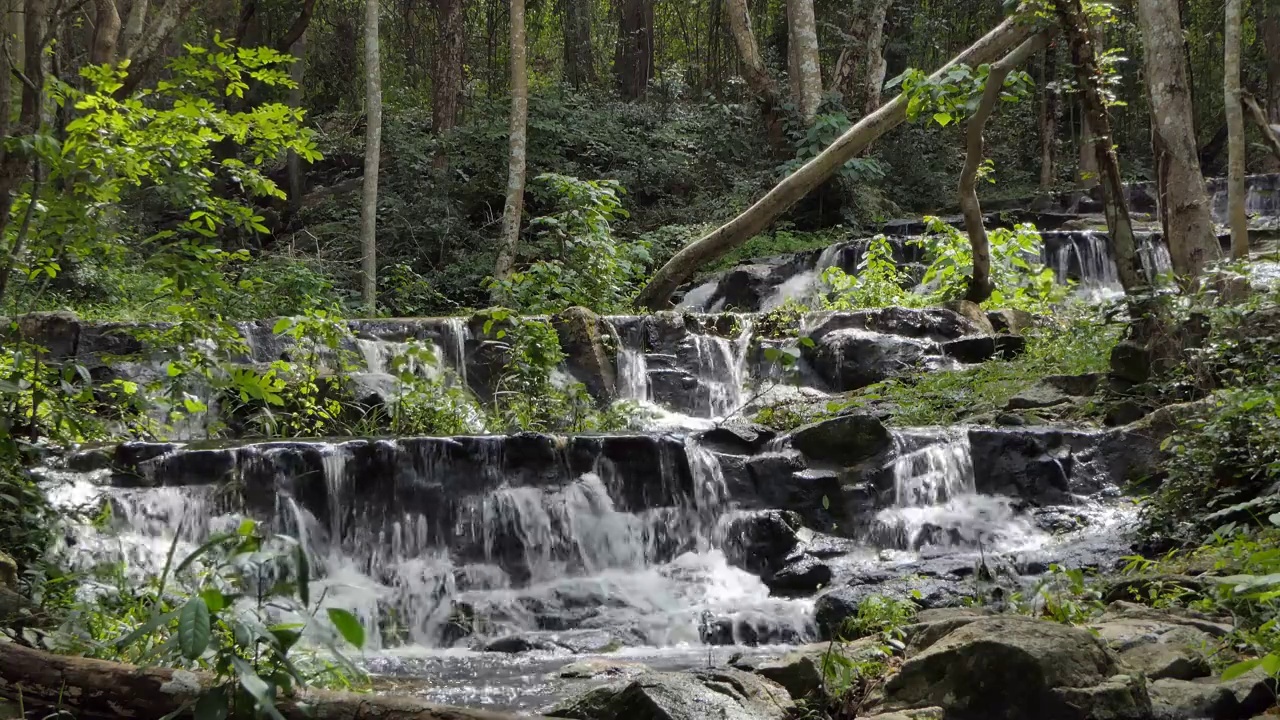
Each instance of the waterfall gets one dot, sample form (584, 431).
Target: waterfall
(1086, 255)
(1154, 256)
(455, 335)
(721, 368)
(633, 375)
(696, 299)
(805, 286)
(936, 503)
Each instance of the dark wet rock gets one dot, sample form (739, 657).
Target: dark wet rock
(736, 439)
(1124, 412)
(803, 576)
(57, 333)
(748, 629)
(1131, 362)
(850, 359)
(935, 324)
(843, 441)
(760, 541)
(1035, 463)
(582, 338)
(1012, 667)
(724, 694)
(838, 604)
(981, 348)
(513, 644)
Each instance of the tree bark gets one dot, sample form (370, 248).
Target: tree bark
(1076, 27)
(634, 60)
(106, 32)
(298, 28)
(802, 47)
(980, 285)
(372, 156)
(1183, 202)
(451, 43)
(1087, 169)
(513, 211)
(36, 28)
(860, 69)
(1264, 128)
(1048, 125)
(1006, 36)
(103, 690)
(579, 60)
(153, 39)
(756, 73)
(1270, 27)
(1236, 215)
(133, 28)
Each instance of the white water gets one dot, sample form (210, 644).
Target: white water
(721, 369)
(936, 503)
(804, 287)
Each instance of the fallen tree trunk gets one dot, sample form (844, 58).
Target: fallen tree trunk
(656, 295)
(980, 286)
(101, 690)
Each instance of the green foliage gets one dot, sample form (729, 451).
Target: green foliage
(879, 615)
(955, 95)
(236, 607)
(1020, 283)
(1065, 595)
(879, 282)
(812, 138)
(589, 266)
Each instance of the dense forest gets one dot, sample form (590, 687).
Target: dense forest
(640, 359)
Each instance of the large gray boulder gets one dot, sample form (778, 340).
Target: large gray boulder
(723, 694)
(583, 339)
(1160, 643)
(1013, 668)
(851, 358)
(842, 441)
(1239, 699)
(801, 670)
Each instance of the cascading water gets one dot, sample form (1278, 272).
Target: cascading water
(1086, 255)
(936, 503)
(804, 286)
(721, 368)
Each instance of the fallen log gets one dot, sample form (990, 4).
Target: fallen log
(656, 295)
(92, 689)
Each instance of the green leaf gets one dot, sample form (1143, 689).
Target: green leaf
(246, 527)
(193, 628)
(257, 688)
(1271, 664)
(942, 118)
(304, 575)
(212, 705)
(214, 599)
(347, 624)
(145, 629)
(1240, 668)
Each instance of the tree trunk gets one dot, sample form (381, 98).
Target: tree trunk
(1087, 170)
(513, 211)
(759, 81)
(297, 72)
(372, 156)
(634, 60)
(980, 285)
(1076, 27)
(1183, 202)
(860, 69)
(133, 28)
(451, 43)
(7, 50)
(106, 32)
(579, 61)
(1048, 120)
(1264, 128)
(1270, 27)
(103, 690)
(1236, 215)
(802, 47)
(1008, 35)
(36, 27)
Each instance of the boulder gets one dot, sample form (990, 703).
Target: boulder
(1040, 395)
(57, 332)
(597, 668)
(1034, 463)
(932, 625)
(803, 576)
(934, 713)
(724, 694)
(8, 571)
(760, 541)
(800, 671)
(1014, 322)
(1083, 385)
(842, 441)
(1013, 667)
(1131, 362)
(1239, 699)
(972, 312)
(850, 359)
(838, 604)
(582, 338)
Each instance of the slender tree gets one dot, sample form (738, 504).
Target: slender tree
(1183, 202)
(579, 60)
(802, 47)
(1270, 27)
(1048, 125)
(980, 286)
(633, 63)
(759, 80)
(1236, 214)
(860, 69)
(1075, 25)
(372, 155)
(447, 65)
(297, 72)
(514, 209)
